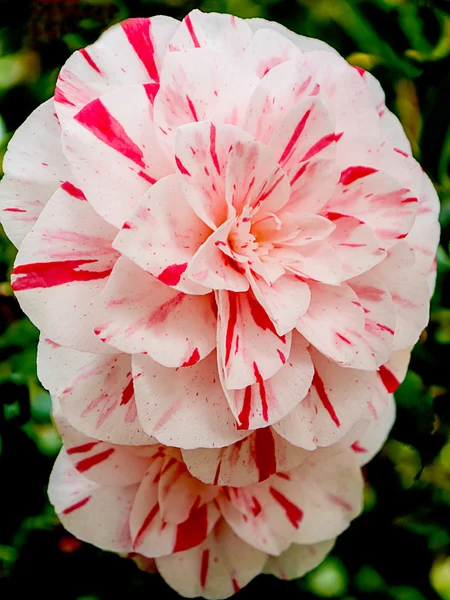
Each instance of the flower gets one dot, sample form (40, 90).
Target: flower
(220, 228)
(208, 540)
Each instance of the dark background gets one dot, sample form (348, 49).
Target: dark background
(399, 548)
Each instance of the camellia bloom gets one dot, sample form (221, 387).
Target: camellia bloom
(209, 540)
(220, 228)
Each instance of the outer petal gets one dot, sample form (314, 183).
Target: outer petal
(113, 151)
(307, 131)
(62, 265)
(356, 246)
(268, 49)
(128, 53)
(219, 32)
(267, 401)
(198, 85)
(334, 324)
(377, 199)
(370, 443)
(337, 400)
(101, 462)
(277, 93)
(250, 350)
(217, 568)
(95, 391)
(34, 169)
(304, 43)
(248, 461)
(93, 513)
(310, 504)
(409, 292)
(175, 329)
(298, 559)
(163, 234)
(202, 151)
(186, 407)
(152, 536)
(347, 95)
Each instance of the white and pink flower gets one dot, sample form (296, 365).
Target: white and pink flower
(229, 251)
(209, 539)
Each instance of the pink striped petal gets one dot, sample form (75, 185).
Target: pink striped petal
(370, 443)
(101, 462)
(154, 537)
(334, 324)
(393, 372)
(347, 95)
(336, 401)
(212, 267)
(200, 85)
(33, 168)
(310, 504)
(184, 407)
(248, 461)
(377, 199)
(285, 301)
(163, 234)
(113, 152)
(355, 244)
(267, 50)
(94, 513)
(267, 401)
(306, 132)
(250, 350)
(217, 568)
(219, 32)
(304, 43)
(175, 329)
(128, 53)
(277, 93)
(255, 180)
(95, 391)
(298, 559)
(62, 266)
(409, 292)
(379, 310)
(312, 185)
(315, 261)
(202, 151)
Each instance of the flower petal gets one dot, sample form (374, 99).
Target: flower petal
(298, 559)
(184, 407)
(62, 266)
(113, 151)
(128, 53)
(250, 350)
(175, 329)
(95, 391)
(336, 401)
(163, 234)
(370, 443)
(216, 569)
(334, 324)
(33, 168)
(248, 461)
(200, 85)
(93, 513)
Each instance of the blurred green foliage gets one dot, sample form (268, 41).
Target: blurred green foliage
(399, 548)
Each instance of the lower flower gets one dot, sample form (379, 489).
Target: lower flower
(207, 539)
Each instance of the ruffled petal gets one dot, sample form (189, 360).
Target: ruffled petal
(113, 151)
(216, 569)
(33, 168)
(175, 329)
(62, 266)
(184, 407)
(297, 560)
